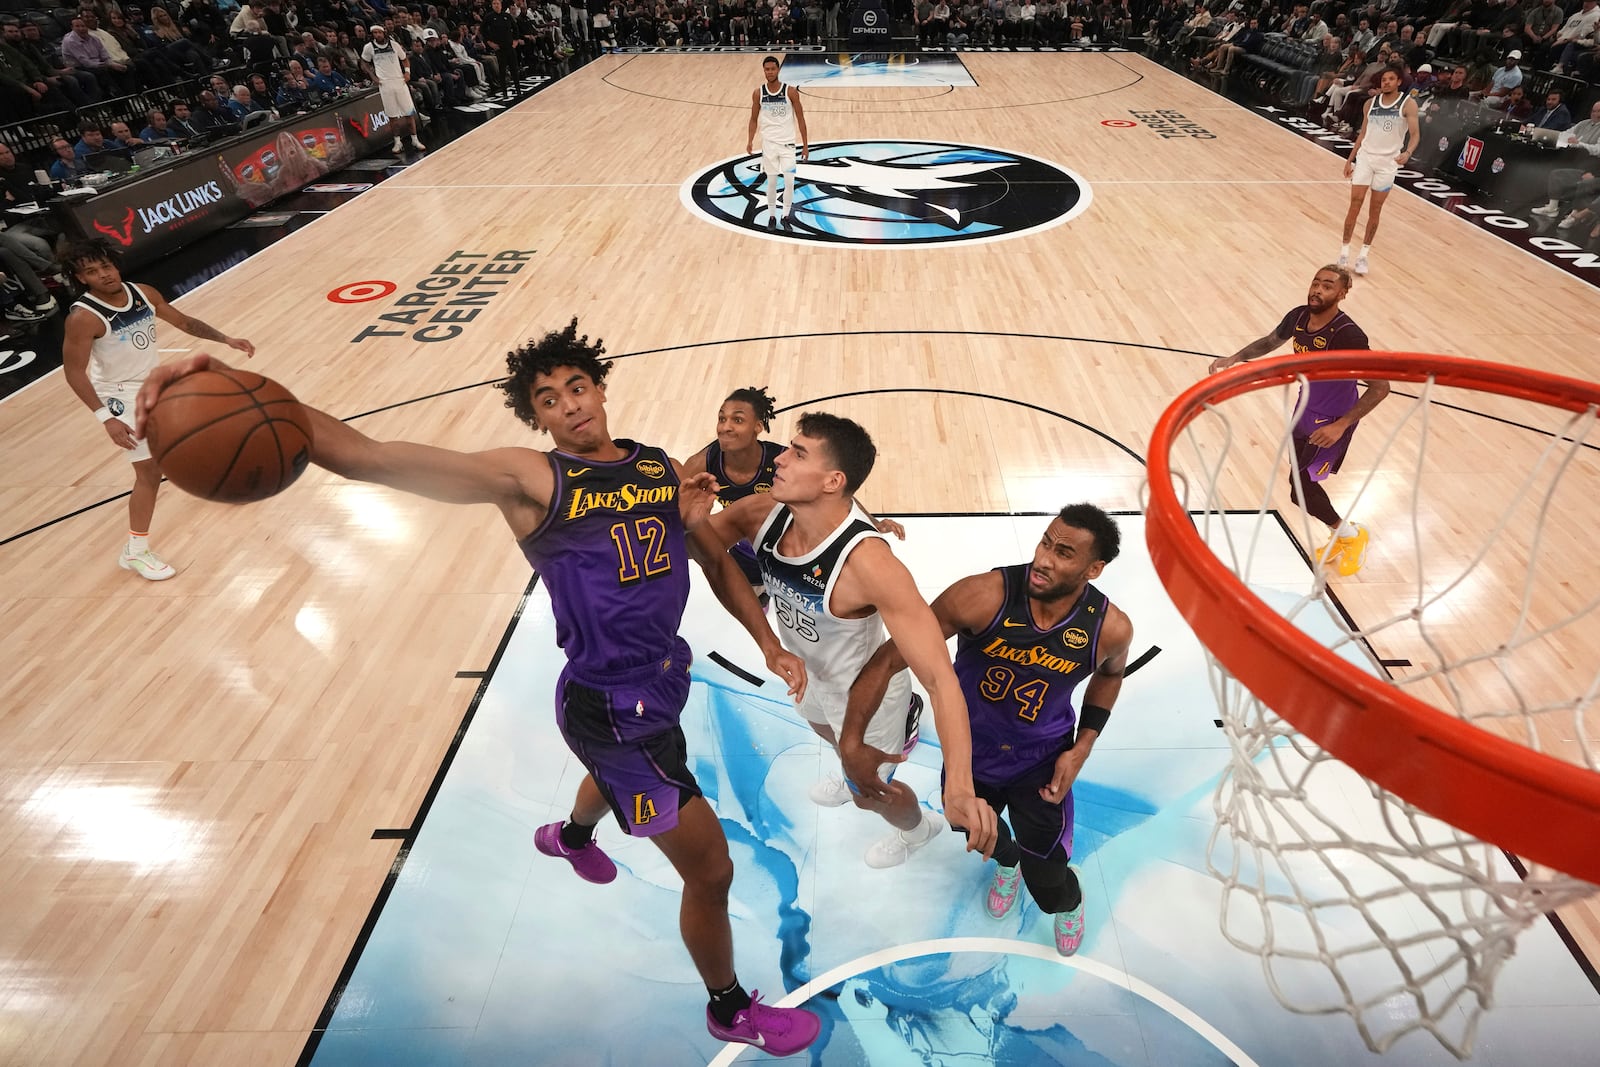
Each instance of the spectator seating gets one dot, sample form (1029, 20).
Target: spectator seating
(1283, 69)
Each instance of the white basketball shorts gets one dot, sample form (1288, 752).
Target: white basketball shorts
(777, 158)
(1377, 173)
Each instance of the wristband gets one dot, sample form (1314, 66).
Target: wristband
(1093, 717)
(103, 413)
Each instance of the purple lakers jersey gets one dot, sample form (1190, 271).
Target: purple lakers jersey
(761, 483)
(1019, 680)
(1327, 400)
(611, 552)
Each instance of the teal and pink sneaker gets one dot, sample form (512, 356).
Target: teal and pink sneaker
(1069, 924)
(775, 1031)
(592, 864)
(1003, 890)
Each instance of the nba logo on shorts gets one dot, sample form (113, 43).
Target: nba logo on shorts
(1471, 153)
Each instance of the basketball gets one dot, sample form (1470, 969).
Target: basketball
(229, 435)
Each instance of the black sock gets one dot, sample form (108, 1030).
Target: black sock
(575, 835)
(726, 1003)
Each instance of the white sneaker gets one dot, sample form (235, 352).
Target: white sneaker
(830, 792)
(146, 564)
(1569, 222)
(1344, 259)
(895, 849)
(1361, 265)
(418, 145)
(1549, 211)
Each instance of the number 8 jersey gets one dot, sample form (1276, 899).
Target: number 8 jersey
(1019, 680)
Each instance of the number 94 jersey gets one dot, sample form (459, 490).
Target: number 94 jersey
(1018, 680)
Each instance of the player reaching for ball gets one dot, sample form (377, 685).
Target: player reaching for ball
(605, 522)
(109, 349)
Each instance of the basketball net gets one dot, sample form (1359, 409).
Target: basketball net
(1357, 889)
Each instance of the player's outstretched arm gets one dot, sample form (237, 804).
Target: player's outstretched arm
(883, 526)
(733, 592)
(960, 607)
(191, 325)
(1116, 635)
(882, 581)
(739, 521)
(518, 480)
(1261, 346)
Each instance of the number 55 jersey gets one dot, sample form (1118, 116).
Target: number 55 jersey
(834, 649)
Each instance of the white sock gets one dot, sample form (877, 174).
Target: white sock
(137, 545)
(772, 195)
(1363, 253)
(1346, 529)
(1553, 205)
(1344, 250)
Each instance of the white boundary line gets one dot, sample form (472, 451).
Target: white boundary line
(1105, 972)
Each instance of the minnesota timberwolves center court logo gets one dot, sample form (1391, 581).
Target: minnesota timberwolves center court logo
(894, 194)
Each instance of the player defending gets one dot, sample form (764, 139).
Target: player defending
(744, 463)
(604, 523)
(775, 110)
(1322, 433)
(385, 63)
(835, 585)
(108, 348)
(1387, 139)
(1026, 635)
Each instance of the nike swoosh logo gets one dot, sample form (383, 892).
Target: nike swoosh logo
(1314, 422)
(1008, 622)
(579, 472)
(760, 1041)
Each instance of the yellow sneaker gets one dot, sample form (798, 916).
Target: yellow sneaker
(1352, 551)
(1326, 554)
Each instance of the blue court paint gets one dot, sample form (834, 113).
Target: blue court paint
(488, 953)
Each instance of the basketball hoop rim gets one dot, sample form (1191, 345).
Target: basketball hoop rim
(1535, 805)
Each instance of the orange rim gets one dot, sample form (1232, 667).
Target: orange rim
(1535, 805)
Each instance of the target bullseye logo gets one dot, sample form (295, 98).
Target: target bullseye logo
(361, 292)
(1118, 124)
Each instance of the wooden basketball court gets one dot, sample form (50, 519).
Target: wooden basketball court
(194, 770)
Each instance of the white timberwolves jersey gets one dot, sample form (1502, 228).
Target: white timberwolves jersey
(834, 649)
(777, 116)
(1386, 128)
(127, 352)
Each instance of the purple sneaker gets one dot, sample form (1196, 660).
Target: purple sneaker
(590, 862)
(776, 1031)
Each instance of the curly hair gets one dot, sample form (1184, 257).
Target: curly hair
(760, 401)
(1107, 536)
(1345, 277)
(80, 254)
(558, 348)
